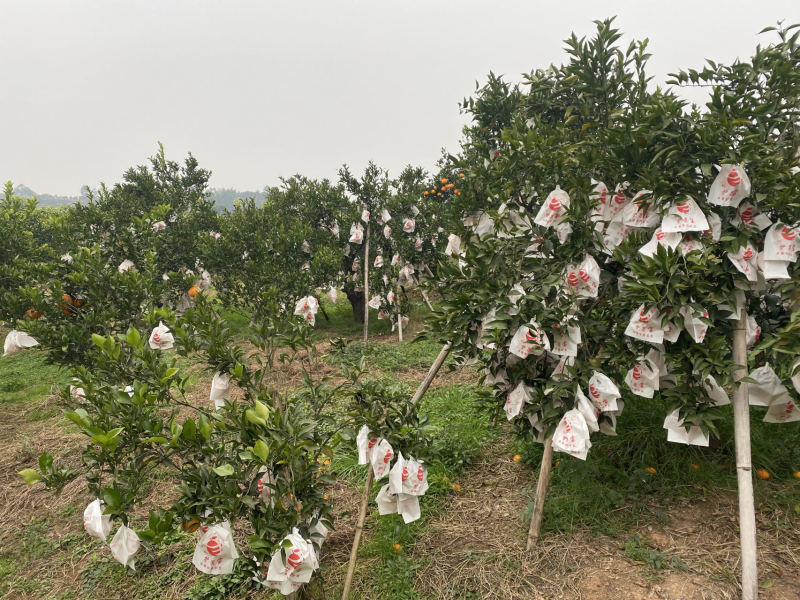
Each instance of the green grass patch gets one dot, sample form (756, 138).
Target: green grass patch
(613, 490)
(27, 376)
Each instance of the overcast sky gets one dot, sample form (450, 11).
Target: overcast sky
(261, 89)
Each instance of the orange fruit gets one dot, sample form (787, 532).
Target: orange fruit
(456, 487)
(797, 474)
(444, 180)
(190, 526)
(457, 192)
(461, 175)
(762, 474)
(695, 467)
(516, 458)
(651, 470)
(193, 291)
(32, 313)
(439, 194)
(398, 548)
(425, 193)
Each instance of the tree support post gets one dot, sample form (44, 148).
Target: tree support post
(541, 492)
(744, 468)
(366, 283)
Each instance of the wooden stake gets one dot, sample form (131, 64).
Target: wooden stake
(427, 301)
(437, 364)
(366, 284)
(399, 317)
(744, 469)
(362, 513)
(541, 493)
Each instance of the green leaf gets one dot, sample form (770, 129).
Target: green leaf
(133, 337)
(224, 470)
(251, 416)
(261, 450)
(30, 476)
(189, 430)
(98, 340)
(112, 499)
(262, 410)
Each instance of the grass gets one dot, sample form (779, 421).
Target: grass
(27, 377)
(611, 491)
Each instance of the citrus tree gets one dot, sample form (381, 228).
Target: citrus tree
(599, 251)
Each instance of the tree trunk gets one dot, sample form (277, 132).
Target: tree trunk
(744, 469)
(356, 298)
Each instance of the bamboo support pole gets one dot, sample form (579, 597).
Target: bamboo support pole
(744, 469)
(362, 512)
(541, 493)
(366, 284)
(362, 515)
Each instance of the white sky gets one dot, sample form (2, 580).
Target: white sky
(262, 89)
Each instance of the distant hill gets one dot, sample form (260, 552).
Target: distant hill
(223, 197)
(45, 199)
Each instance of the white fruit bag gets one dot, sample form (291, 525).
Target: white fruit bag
(528, 340)
(572, 435)
(749, 216)
(387, 232)
(599, 198)
(220, 389)
(356, 233)
(375, 302)
(730, 186)
(125, 265)
(161, 338)
(784, 411)
(645, 325)
(386, 501)
(385, 216)
(643, 378)
(453, 245)
(381, 458)
(333, 295)
(95, 522)
(693, 323)
(553, 209)
(404, 277)
(768, 388)
(485, 225)
(635, 214)
(364, 215)
(409, 225)
(300, 563)
(660, 238)
(745, 260)
(408, 476)
(752, 332)
(390, 297)
(516, 400)
(676, 432)
(566, 340)
(365, 442)
(617, 203)
(587, 409)
(124, 545)
(781, 243)
(16, 341)
(690, 243)
(215, 551)
(603, 393)
(378, 263)
(684, 215)
(715, 391)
